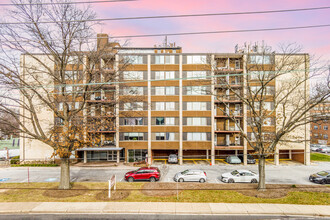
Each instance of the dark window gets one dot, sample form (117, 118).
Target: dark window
(160, 121)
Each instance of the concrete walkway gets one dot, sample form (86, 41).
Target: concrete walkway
(165, 208)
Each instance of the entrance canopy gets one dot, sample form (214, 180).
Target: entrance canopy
(99, 148)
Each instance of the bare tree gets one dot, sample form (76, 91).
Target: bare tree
(275, 94)
(56, 84)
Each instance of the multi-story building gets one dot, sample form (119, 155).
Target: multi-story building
(320, 128)
(169, 102)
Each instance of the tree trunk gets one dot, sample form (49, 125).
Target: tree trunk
(65, 174)
(262, 176)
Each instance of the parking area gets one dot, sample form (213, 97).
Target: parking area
(158, 162)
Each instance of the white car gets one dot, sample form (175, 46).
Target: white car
(240, 176)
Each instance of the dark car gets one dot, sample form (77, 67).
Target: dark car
(322, 177)
(250, 159)
(144, 173)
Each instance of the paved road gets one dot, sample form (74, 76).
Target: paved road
(288, 174)
(148, 217)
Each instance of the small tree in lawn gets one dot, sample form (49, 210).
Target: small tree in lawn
(55, 76)
(276, 93)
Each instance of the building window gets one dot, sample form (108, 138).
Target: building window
(133, 136)
(133, 106)
(196, 121)
(168, 136)
(196, 59)
(196, 136)
(132, 91)
(60, 106)
(133, 121)
(316, 135)
(137, 155)
(76, 105)
(315, 127)
(165, 90)
(237, 64)
(164, 59)
(160, 121)
(260, 59)
(161, 106)
(133, 59)
(164, 75)
(325, 136)
(196, 90)
(195, 106)
(193, 75)
(133, 75)
(325, 127)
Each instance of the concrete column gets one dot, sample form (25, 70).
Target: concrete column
(207, 154)
(290, 154)
(180, 113)
(117, 106)
(244, 111)
(213, 112)
(85, 156)
(277, 157)
(149, 111)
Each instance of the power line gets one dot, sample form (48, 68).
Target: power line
(181, 15)
(224, 32)
(188, 33)
(67, 3)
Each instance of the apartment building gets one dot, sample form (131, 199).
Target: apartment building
(320, 129)
(169, 102)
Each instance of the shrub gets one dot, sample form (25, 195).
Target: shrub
(14, 160)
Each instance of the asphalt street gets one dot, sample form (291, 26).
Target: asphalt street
(286, 174)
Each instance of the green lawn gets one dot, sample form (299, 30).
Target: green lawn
(320, 157)
(96, 192)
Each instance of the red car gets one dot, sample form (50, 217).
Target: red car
(144, 173)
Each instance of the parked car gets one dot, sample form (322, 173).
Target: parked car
(172, 158)
(250, 159)
(324, 149)
(322, 177)
(144, 173)
(314, 147)
(190, 176)
(233, 160)
(240, 176)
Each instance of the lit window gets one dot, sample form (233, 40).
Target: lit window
(196, 136)
(196, 59)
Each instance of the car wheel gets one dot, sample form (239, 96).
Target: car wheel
(152, 179)
(130, 179)
(231, 181)
(181, 180)
(254, 181)
(202, 180)
(323, 182)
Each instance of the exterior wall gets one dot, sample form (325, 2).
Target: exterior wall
(220, 128)
(320, 130)
(31, 149)
(298, 138)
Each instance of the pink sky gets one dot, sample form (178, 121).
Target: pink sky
(314, 41)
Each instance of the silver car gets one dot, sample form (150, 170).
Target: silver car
(240, 176)
(190, 176)
(172, 158)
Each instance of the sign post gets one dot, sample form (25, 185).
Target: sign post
(112, 183)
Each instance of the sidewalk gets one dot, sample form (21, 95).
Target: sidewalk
(164, 208)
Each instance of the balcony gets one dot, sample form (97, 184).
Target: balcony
(227, 99)
(99, 99)
(236, 114)
(231, 129)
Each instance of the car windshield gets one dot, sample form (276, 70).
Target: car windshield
(235, 172)
(173, 156)
(184, 172)
(322, 173)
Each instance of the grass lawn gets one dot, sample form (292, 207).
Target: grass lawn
(320, 157)
(165, 192)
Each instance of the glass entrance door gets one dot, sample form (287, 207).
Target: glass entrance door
(112, 155)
